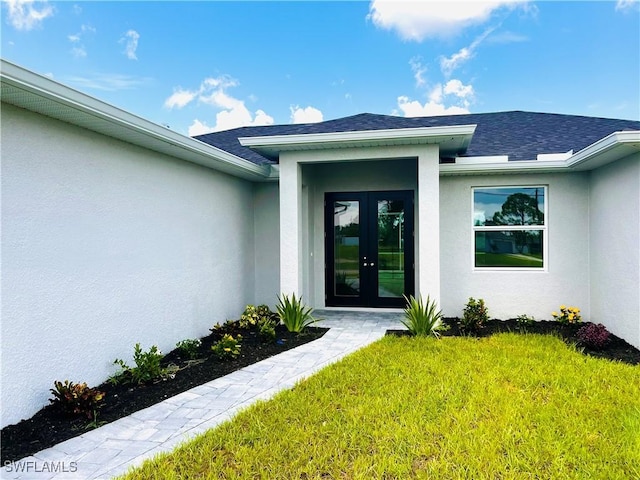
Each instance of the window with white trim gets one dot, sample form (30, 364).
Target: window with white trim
(509, 227)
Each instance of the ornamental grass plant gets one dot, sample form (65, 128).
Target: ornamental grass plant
(294, 314)
(509, 406)
(422, 317)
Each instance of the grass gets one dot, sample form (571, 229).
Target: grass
(508, 406)
(508, 260)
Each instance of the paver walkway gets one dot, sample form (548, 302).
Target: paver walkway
(114, 448)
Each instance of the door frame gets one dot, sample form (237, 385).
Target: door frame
(369, 248)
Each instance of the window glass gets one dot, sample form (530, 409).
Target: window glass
(508, 206)
(347, 248)
(509, 227)
(504, 248)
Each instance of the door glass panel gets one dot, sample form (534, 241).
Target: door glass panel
(391, 248)
(346, 215)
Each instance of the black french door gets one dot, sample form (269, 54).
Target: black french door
(369, 248)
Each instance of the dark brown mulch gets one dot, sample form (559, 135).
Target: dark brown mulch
(616, 349)
(49, 427)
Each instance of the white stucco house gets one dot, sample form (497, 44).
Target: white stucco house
(116, 230)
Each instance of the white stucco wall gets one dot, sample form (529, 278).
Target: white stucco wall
(615, 247)
(104, 245)
(509, 293)
(267, 243)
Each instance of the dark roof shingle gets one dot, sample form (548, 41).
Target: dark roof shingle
(520, 135)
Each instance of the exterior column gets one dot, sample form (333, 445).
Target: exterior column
(290, 226)
(428, 241)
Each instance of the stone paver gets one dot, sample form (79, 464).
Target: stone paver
(113, 449)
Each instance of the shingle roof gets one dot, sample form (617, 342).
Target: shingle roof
(520, 135)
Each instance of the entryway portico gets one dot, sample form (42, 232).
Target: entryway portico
(312, 166)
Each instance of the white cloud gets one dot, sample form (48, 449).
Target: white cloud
(305, 115)
(27, 14)
(452, 98)
(199, 128)
(179, 98)
(239, 116)
(417, 20)
(212, 91)
(79, 50)
(448, 65)
(506, 37)
(130, 39)
(418, 71)
(457, 88)
(262, 118)
(219, 98)
(436, 94)
(413, 108)
(109, 82)
(626, 5)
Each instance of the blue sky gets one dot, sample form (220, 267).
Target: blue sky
(210, 65)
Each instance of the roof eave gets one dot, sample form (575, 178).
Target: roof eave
(613, 147)
(42, 95)
(454, 139)
(606, 150)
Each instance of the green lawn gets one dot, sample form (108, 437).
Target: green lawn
(506, 407)
(508, 260)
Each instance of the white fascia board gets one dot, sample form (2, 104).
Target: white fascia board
(336, 139)
(196, 151)
(482, 160)
(587, 155)
(549, 157)
(609, 149)
(520, 166)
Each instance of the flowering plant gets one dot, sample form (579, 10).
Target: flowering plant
(227, 347)
(567, 314)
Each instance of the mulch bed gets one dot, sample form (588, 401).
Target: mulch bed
(49, 427)
(616, 349)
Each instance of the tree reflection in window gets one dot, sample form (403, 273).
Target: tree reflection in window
(509, 224)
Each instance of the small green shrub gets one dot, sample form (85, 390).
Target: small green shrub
(567, 314)
(227, 347)
(524, 320)
(77, 398)
(255, 316)
(226, 325)
(189, 347)
(267, 330)
(147, 367)
(294, 314)
(475, 315)
(422, 319)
